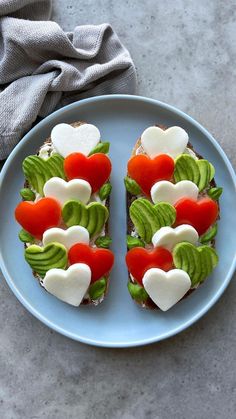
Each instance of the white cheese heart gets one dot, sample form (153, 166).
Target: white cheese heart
(69, 237)
(168, 237)
(172, 141)
(69, 286)
(67, 139)
(165, 191)
(61, 190)
(166, 288)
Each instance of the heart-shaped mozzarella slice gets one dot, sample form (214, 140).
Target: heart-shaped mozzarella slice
(166, 288)
(168, 237)
(69, 237)
(67, 139)
(63, 191)
(69, 286)
(172, 141)
(165, 191)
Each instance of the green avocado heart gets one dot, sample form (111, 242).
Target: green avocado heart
(37, 170)
(41, 259)
(198, 262)
(92, 216)
(199, 171)
(148, 218)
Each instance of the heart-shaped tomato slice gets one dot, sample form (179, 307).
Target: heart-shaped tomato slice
(200, 214)
(139, 260)
(37, 217)
(146, 171)
(96, 169)
(100, 261)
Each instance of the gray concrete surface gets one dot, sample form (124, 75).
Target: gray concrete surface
(185, 53)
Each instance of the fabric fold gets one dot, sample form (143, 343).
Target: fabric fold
(43, 68)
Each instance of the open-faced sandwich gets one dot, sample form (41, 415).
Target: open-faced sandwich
(172, 208)
(64, 214)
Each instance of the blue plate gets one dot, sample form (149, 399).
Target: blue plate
(118, 321)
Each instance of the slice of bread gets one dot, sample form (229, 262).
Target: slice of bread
(130, 226)
(48, 149)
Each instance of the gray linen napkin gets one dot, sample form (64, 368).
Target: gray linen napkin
(43, 68)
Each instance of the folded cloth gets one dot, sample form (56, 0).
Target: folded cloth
(43, 68)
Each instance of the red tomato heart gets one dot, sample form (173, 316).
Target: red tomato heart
(100, 261)
(96, 169)
(148, 171)
(37, 217)
(139, 260)
(200, 214)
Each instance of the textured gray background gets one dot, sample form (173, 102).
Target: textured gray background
(185, 53)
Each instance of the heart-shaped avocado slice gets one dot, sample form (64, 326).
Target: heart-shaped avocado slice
(41, 259)
(92, 216)
(201, 172)
(38, 171)
(148, 218)
(198, 262)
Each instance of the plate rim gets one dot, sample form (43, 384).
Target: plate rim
(121, 344)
